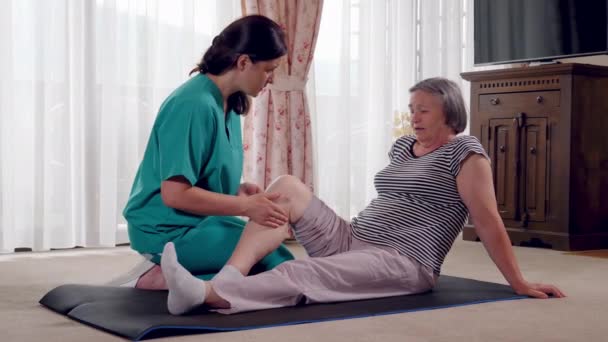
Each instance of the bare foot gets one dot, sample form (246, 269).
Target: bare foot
(152, 280)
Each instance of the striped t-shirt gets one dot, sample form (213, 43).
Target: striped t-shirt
(418, 210)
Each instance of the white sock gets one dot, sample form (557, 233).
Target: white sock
(185, 291)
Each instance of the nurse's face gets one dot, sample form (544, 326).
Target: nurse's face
(256, 75)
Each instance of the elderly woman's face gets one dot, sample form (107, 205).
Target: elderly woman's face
(428, 118)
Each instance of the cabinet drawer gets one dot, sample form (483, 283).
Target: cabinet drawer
(526, 102)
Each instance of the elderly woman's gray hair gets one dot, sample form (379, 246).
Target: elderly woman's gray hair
(451, 97)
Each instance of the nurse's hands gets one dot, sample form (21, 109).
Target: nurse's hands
(261, 208)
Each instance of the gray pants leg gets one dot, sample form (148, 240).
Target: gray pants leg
(340, 269)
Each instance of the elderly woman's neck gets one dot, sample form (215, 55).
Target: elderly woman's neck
(436, 141)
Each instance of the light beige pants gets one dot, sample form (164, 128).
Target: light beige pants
(340, 268)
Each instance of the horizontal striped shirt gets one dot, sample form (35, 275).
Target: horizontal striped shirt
(418, 210)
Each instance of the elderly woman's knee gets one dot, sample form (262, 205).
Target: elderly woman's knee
(291, 188)
(286, 182)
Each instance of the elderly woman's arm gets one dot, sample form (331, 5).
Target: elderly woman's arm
(477, 192)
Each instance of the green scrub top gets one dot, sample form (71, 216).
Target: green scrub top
(191, 137)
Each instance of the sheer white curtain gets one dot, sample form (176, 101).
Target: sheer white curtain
(81, 82)
(369, 53)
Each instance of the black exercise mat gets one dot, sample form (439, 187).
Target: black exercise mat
(140, 314)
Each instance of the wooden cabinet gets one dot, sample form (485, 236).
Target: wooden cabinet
(516, 142)
(546, 130)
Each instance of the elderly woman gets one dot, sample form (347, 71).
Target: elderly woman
(395, 246)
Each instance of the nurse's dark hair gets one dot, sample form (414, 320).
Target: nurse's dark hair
(256, 36)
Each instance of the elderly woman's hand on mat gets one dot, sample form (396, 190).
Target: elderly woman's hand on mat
(261, 209)
(537, 290)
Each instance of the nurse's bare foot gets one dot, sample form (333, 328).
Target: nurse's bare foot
(152, 280)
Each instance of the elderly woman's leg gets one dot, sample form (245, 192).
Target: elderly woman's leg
(255, 243)
(317, 227)
(258, 240)
(295, 199)
(366, 271)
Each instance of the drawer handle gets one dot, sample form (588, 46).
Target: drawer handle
(502, 148)
(539, 99)
(494, 101)
(533, 150)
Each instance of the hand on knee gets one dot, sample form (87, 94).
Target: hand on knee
(263, 210)
(295, 195)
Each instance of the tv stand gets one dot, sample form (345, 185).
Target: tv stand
(545, 129)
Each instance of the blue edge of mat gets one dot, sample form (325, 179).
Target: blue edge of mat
(143, 334)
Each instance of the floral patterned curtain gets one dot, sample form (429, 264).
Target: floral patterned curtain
(277, 137)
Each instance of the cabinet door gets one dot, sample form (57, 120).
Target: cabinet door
(534, 167)
(503, 148)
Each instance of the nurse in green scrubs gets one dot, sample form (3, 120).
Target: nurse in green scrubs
(187, 186)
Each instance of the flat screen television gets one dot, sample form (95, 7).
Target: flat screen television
(513, 31)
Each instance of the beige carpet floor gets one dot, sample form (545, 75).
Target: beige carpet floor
(26, 277)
